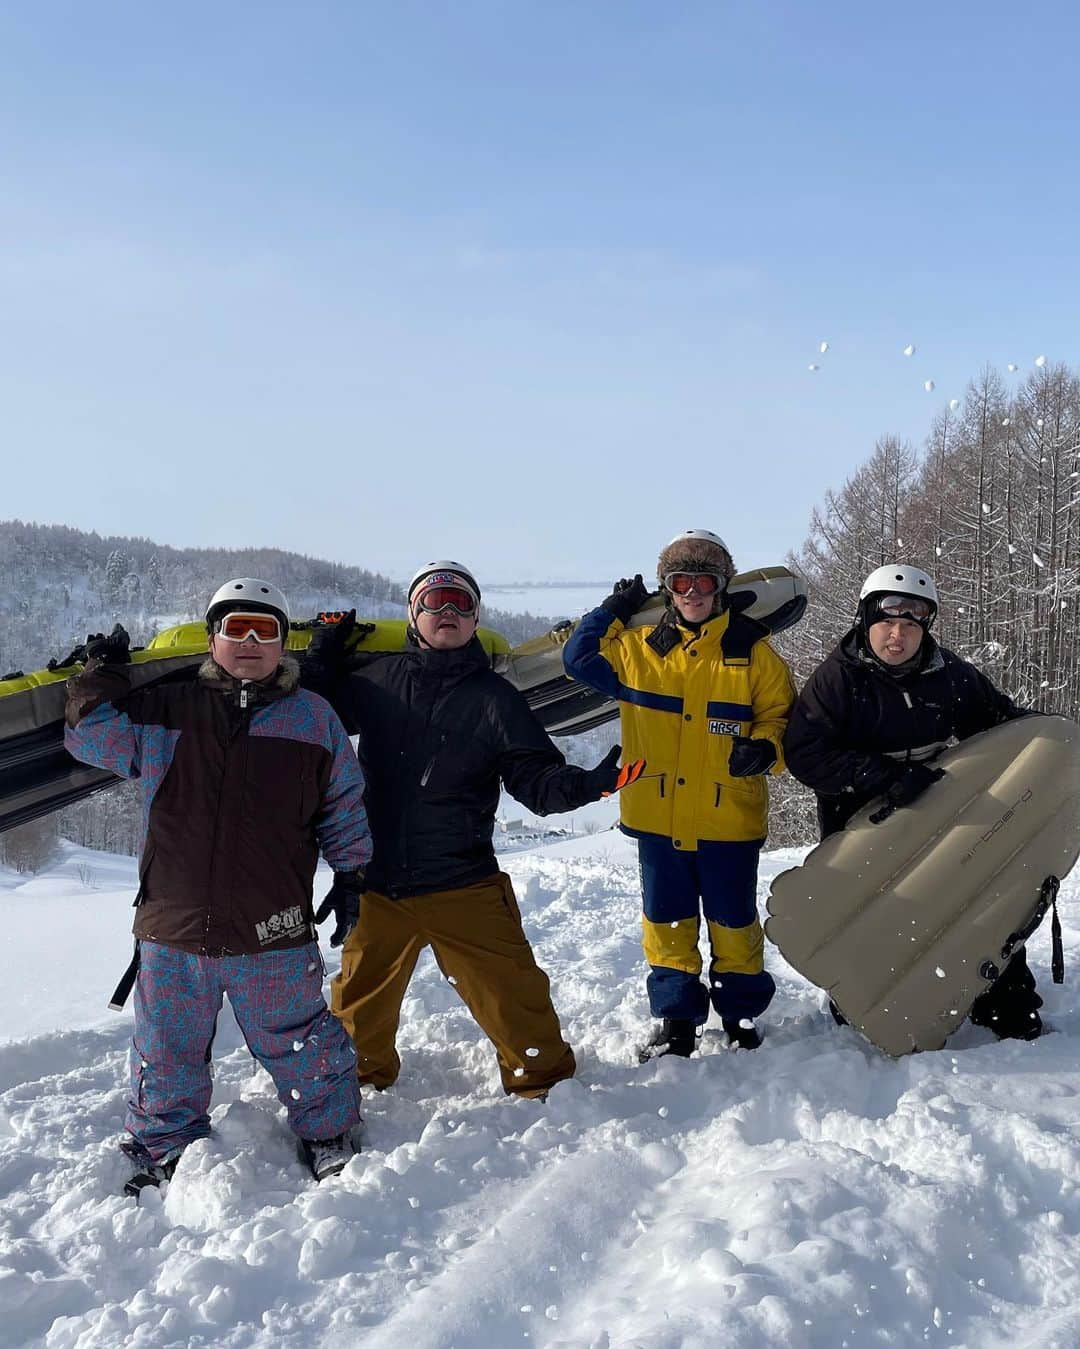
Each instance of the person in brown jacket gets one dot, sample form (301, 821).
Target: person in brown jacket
(245, 779)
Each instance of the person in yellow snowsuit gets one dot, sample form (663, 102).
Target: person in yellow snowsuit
(704, 699)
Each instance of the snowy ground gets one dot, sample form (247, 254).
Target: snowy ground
(811, 1194)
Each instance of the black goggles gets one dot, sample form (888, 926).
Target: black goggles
(891, 607)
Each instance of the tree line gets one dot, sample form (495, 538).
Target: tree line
(991, 509)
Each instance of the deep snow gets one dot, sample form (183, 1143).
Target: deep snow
(813, 1193)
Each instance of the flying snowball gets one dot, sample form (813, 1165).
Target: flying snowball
(1040, 361)
(1037, 560)
(1012, 368)
(1005, 421)
(909, 350)
(1038, 421)
(823, 348)
(812, 367)
(954, 403)
(928, 385)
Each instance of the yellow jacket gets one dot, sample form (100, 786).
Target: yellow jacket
(683, 697)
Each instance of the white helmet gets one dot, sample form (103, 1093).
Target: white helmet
(701, 535)
(897, 578)
(246, 592)
(456, 573)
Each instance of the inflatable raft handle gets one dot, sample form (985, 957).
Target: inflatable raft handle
(1048, 893)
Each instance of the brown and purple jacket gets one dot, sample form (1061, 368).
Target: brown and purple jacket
(243, 785)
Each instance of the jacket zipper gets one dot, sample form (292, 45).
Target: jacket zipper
(431, 762)
(231, 734)
(911, 708)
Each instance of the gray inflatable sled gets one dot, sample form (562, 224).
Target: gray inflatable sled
(906, 920)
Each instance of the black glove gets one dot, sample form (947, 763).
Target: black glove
(911, 783)
(626, 599)
(329, 641)
(112, 650)
(343, 901)
(750, 758)
(603, 777)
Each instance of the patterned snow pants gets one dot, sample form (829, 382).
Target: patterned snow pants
(277, 999)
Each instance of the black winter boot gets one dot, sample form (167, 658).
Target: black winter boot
(1010, 1006)
(1011, 1022)
(147, 1174)
(672, 1036)
(327, 1156)
(741, 1036)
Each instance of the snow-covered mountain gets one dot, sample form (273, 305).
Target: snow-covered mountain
(58, 583)
(813, 1193)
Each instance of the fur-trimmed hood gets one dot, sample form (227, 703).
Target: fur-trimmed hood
(284, 680)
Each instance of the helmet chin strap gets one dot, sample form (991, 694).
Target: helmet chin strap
(415, 630)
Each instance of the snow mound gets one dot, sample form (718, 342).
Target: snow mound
(812, 1193)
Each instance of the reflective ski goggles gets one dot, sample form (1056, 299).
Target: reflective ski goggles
(239, 627)
(905, 606)
(683, 582)
(437, 598)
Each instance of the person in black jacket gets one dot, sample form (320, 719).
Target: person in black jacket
(872, 717)
(438, 731)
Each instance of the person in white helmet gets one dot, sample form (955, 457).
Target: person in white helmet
(873, 716)
(439, 732)
(704, 699)
(246, 778)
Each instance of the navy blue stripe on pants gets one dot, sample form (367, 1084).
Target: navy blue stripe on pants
(719, 882)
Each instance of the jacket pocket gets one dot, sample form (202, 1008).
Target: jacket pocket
(740, 791)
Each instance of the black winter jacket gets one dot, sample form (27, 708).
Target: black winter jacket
(438, 730)
(855, 724)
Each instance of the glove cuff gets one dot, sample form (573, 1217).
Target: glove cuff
(351, 881)
(618, 606)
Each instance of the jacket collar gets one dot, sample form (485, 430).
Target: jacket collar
(670, 633)
(457, 664)
(852, 651)
(284, 680)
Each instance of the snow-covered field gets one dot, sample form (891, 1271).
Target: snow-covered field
(811, 1194)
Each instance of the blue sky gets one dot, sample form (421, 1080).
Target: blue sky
(534, 285)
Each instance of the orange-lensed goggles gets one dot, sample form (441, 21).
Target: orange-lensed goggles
(437, 598)
(682, 582)
(238, 627)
